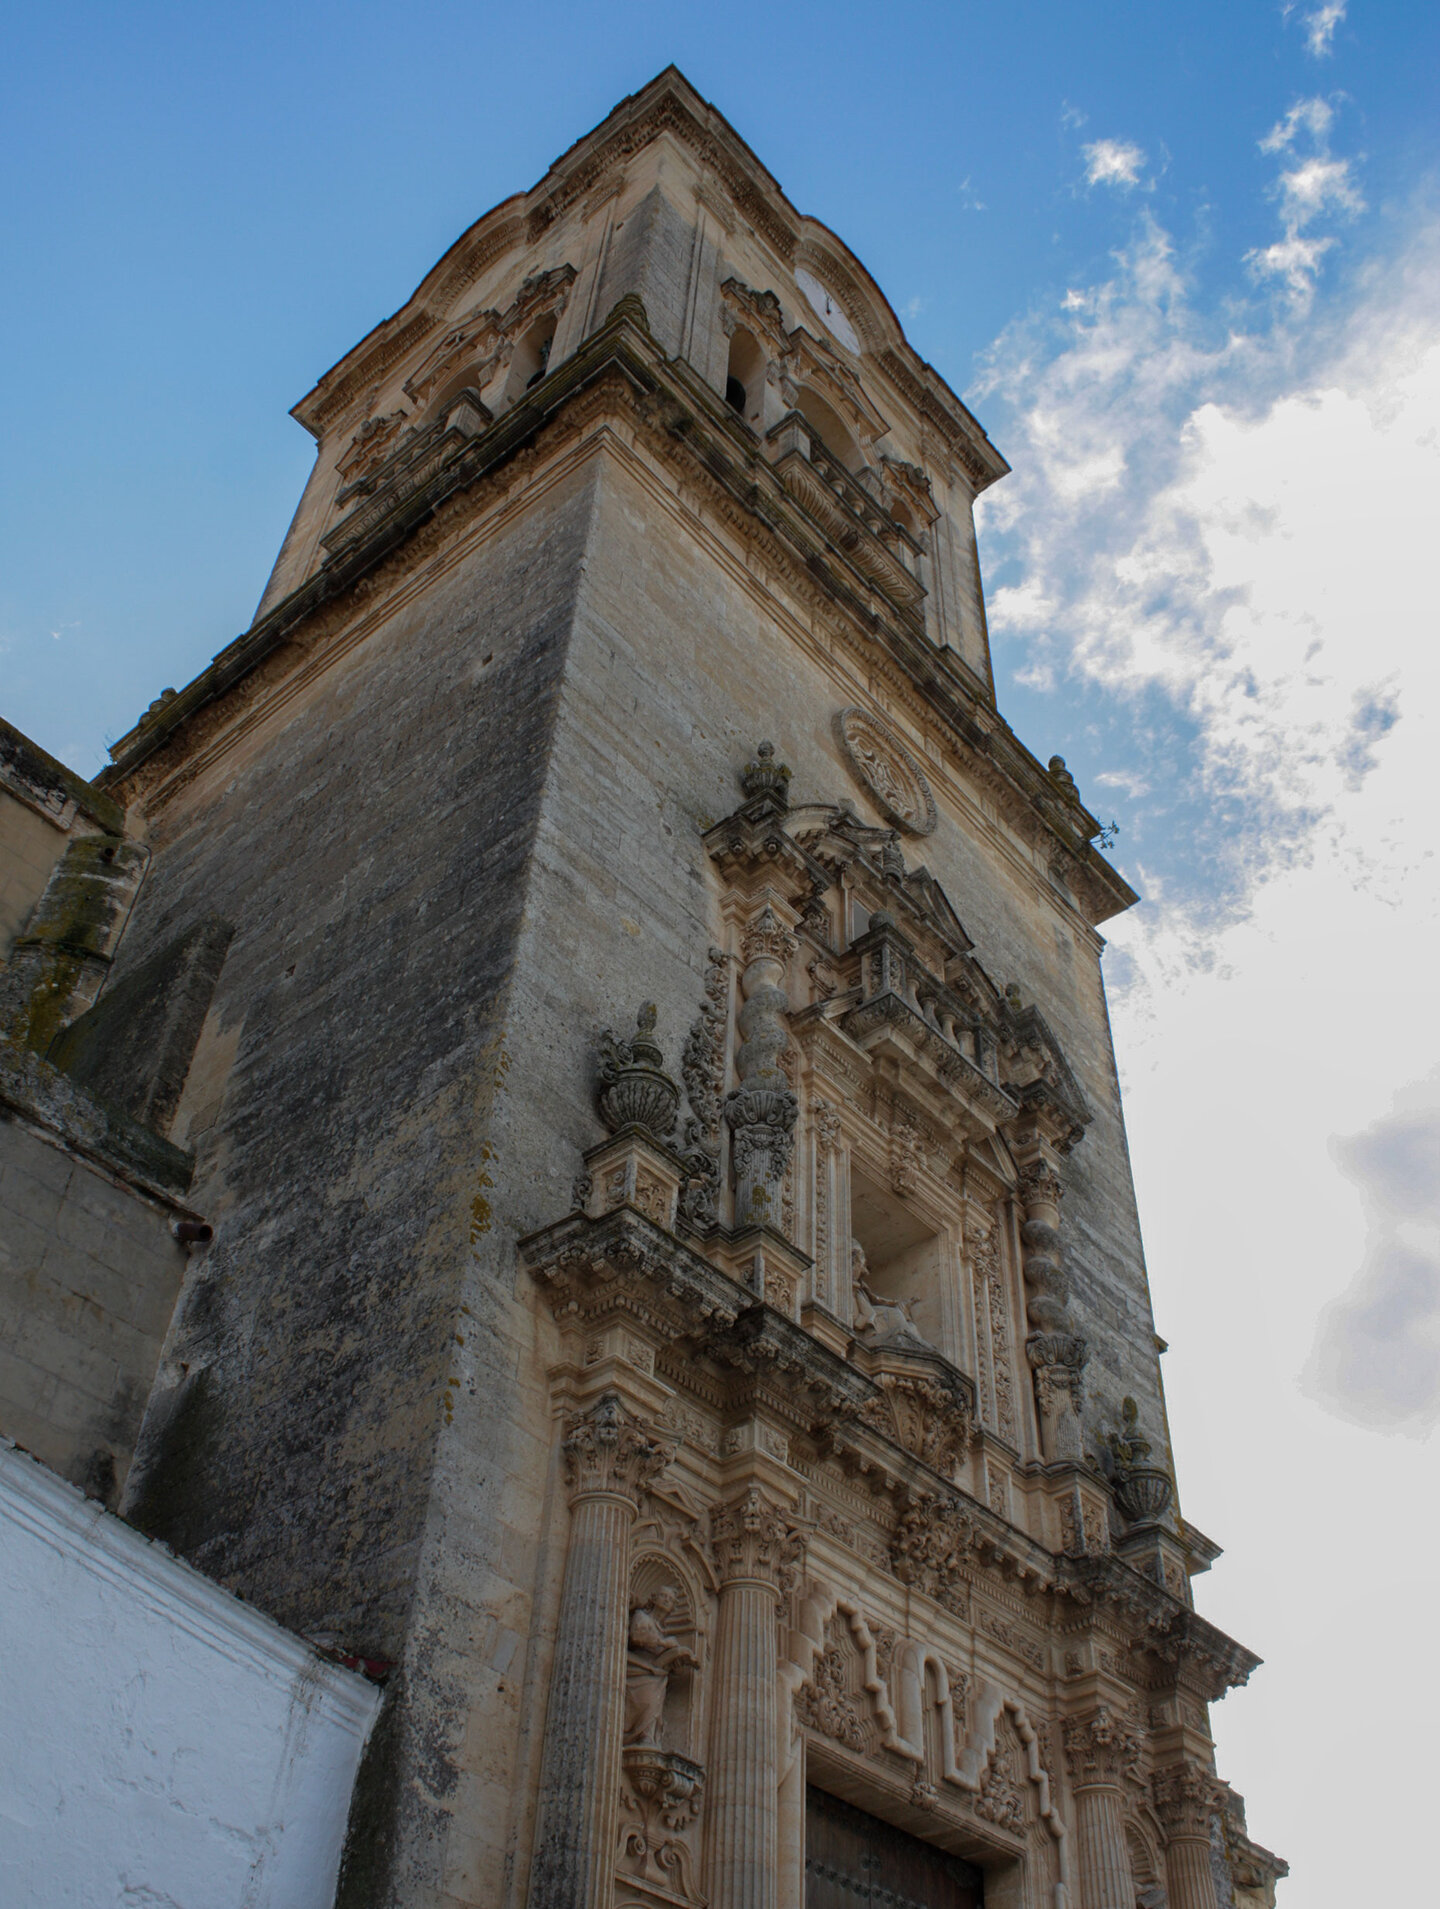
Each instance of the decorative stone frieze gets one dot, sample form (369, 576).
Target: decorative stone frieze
(761, 1111)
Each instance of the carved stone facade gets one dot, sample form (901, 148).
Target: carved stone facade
(779, 1459)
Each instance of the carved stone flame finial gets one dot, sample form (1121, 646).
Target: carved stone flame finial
(765, 776)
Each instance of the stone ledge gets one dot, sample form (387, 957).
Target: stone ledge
(33, 1091)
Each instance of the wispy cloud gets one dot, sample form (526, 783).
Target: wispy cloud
(1316, 185)
(970, 200)
(1319, 25)
(1113, 162)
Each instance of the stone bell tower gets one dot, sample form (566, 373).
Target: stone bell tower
(676, 1294)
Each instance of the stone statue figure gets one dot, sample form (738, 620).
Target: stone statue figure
(652, 1656)
(885, 1322)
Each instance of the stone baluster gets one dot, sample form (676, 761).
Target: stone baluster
(1055, 1351)
(609, 1457)
(1185, 1803)
(1097, 1749)
(761, 1110)
(755, 1550)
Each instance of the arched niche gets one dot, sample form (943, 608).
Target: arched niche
(745, 376)
(832, 430)
(656, 1580)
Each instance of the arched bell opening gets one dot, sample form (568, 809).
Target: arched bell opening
(531, 359)
(827, 424)
(745, 377)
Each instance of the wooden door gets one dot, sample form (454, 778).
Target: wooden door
(854, 1861)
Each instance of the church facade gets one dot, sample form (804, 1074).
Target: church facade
(628, 1009)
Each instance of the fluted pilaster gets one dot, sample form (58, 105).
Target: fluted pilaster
(1185, 1802)
(609, 1457)
(1097, 1749)
(755, 1551)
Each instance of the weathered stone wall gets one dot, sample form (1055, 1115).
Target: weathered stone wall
(370, 844)
(89, 1274)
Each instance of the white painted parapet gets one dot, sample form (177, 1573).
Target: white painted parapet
(160, 1741)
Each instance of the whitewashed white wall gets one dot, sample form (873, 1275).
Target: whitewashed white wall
(162, 1745)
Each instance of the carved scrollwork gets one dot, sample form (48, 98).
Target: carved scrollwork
(1100, 1747)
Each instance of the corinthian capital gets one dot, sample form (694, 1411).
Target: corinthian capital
(1099, 1747)
(610, 1453)
(1185, 1800)
(752, 1537)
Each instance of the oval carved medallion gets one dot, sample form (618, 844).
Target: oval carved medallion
(885, 768)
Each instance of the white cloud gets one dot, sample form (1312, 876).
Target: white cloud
(1315, 186)
(1113, 162)
(1320, 24)
(1313, 116)
(1255, 566)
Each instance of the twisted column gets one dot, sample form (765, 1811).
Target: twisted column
(1097, 1749)
(755, 1551)
(761, 1111)
(1056, 1353)
(1185, 1802)
(609, 1457)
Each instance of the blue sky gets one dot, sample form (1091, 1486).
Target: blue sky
(1184, 261)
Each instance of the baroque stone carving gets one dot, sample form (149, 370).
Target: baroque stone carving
(1143, 1492)
(659, 1802)
(882, 1322)
(761, 1111)
(922, 1417)
(609, 1452)
(752, 1537)
(1100, 1747)
(764, 776)
(826, 1703)
(888, 771)
(653, 1655)
(1001, 1799)
(702, 1068)
(929, 1552)
(991, 1309)
(1057, 1354)
(635, 1090)
(1185, 1798)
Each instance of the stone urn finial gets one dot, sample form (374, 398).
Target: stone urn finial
(635, 1090)
(765, 776)
(1142, 1491)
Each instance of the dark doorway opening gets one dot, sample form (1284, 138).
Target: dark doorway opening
(852, 1858)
